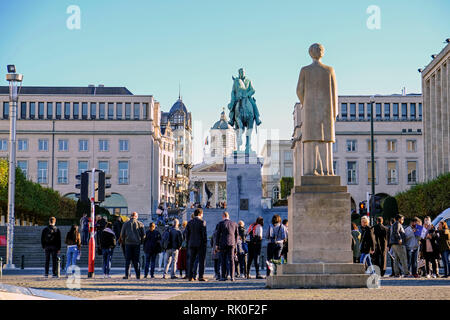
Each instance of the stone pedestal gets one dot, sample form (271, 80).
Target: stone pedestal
(320, 253)
(244, 184)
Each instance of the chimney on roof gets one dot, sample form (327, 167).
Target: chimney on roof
(101, 85)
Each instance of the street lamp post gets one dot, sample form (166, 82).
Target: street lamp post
(15, 84)
(372, 162)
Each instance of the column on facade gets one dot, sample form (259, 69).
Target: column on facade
(439, 137)
(433, 150)
(216, 194)
(204, 196)
(445, 115)
(426, 128)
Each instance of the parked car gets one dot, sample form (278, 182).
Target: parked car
(444, 216)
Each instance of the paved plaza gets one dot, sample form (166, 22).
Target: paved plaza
(116, 288)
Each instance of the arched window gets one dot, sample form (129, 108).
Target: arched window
(275, 193)
(224, 141)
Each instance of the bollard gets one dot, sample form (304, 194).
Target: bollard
(58, 271)
(22, 262)
(1, 267)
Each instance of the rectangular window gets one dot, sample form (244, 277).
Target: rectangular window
(42, 172)
(378, 111)
(137, 111)
(76, 110)
(369, 145)
(369, 172)
(387, 110)
(84, 110)
(49, 110)
(412, 172)
(361, 110)
(3, 145)
(351, 172)
(40, 110)
(123, 145)
(104, 165)
(351, 145)
(110, 111)
(103, 145)
(63, 172)
(101, 112)
(5, 110)
(93, 110)
(395, 111)
(404, 111)
(119, 111)
(127, 111)
(411, 145)
(123, 172)
(58, 110)
(420, 111)
(22, 145)
(412, 111)
(82, 166)
(83, 145)
(352, 111)
(391, 145)
(23, 165)
(392, 174)
(43, 144)
(23, 110)
(335, 169)
(63, 145)
(145, 110)
(335, 146)
(288, 172)
(66, 110)
(343, 111)
(32, 110)
(369, 110)
(288, 156)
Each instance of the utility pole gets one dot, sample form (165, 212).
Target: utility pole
(372, 162)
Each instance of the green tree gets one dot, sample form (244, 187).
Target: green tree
(286, 183)
(390, 208)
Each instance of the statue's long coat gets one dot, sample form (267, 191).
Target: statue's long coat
(317, 91)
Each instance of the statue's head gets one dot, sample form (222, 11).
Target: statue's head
(316, 51)
(241, 73)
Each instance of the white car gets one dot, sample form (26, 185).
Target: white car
(444, 216)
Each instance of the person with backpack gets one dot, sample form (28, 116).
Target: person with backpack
(51, 243)
(132, 235)
(172, 248)
(152, 246)
(276, 234)
(73, 242)
(242, 250)
(255, 233)
(108, 243)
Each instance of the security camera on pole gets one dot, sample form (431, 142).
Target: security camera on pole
(15, 84)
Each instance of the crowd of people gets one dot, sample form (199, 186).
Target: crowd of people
(414, 251)
(235, 248)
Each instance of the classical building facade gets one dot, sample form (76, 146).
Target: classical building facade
(62, 131)
(278, 163)
(180, 121)
(210, 174)
(398, 144)
(436, 117)
(168, 181)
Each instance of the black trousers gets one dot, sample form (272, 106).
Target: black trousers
(194, 253)
(227, 260)
(51, 251)
(132, 252)
(379, 259)
(254, 251)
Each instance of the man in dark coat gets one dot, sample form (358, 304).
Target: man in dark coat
(226, 240)
(196, 240)
(51, 243)
(381, 240)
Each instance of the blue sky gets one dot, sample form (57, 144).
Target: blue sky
(151, 46)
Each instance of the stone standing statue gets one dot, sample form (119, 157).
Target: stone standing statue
(317, 91)
(243, 110)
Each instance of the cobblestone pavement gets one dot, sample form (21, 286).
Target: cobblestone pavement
(252, 289)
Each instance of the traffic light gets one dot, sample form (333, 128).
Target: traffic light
(83, 186)
(362, 208)
(101, 186)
